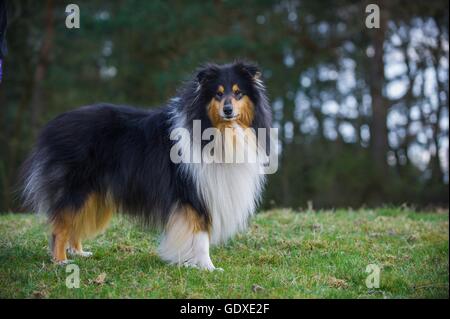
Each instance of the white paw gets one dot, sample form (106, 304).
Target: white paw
(189, 264)
(203, 264)
(82, 253)
(85, 253)
(64, 262)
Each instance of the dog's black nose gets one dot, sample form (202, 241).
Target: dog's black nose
(228, 109)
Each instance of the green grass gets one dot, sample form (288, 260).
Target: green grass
(287, 254)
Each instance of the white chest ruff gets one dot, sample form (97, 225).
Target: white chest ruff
(231, 193)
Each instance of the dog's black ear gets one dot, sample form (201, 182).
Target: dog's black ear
(207, 72)
(249, 68)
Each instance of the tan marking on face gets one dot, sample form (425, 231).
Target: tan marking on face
(214, 108)
(235, 88)
(232, 140)
(221, 89)
(243, 107)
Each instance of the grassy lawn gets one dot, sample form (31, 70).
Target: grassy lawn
(283, 255)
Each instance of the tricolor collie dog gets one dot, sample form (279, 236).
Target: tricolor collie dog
(97, 160)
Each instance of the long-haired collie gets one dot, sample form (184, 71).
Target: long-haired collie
(99, 159)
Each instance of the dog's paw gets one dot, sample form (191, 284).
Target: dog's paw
(202, 265)
(85, 253)
(63, 262)
(82, 253)
(188, 264)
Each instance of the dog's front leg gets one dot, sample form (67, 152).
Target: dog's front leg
(186, 240)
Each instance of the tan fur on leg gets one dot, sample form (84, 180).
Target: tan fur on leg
(72, 227)
(60, 237)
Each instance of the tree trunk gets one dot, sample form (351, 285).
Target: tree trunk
(379, 141)
(437, 174)
(41, 69)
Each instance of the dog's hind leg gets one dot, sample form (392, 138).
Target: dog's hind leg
(74, 226)
(91, 220)
(186, 240)
(59, 240)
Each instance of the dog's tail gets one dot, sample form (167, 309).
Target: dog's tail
(38, 185)
(31, 188)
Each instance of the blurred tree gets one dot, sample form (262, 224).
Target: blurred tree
(362, 112)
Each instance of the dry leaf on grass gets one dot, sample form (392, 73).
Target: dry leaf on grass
(39, 294)
(100, 280)
(125, 248)
(256, 288)
(337, 283)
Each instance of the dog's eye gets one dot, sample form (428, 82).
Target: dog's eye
(219, 95)
(238, 94)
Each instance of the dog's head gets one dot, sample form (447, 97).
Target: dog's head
(233, 94)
